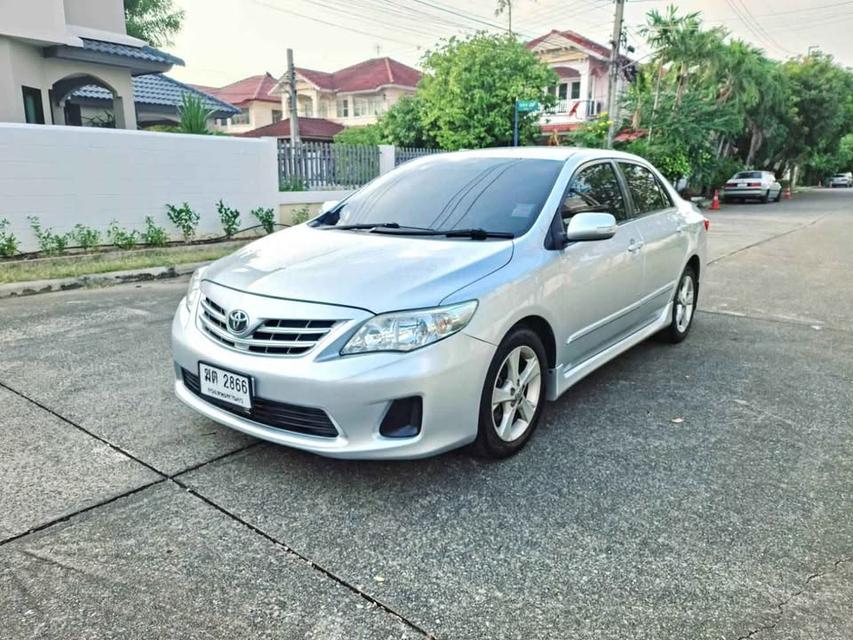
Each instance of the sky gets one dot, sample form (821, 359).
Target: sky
(225, 40)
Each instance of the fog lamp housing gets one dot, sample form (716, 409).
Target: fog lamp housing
(403, 418)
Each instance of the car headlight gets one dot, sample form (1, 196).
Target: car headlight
(408, 330)
(194, 288)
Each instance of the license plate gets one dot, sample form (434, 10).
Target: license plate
(225, 386)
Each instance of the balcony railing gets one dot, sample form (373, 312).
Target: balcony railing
(578, 109)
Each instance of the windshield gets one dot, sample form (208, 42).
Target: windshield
(501, 195)
(748, 174)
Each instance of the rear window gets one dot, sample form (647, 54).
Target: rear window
(747, 174)
(646, 192)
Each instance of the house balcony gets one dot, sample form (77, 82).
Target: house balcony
(565, 111)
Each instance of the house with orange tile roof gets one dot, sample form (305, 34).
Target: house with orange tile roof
(258, 107)
(352, 96)
(581, 66)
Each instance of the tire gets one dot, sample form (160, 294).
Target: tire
(500, 433)
(766, 197)
(778, 196)
(678, 329)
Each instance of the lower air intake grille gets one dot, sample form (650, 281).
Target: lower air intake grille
(289, 417)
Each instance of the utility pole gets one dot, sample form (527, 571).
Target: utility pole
(294, 113)
(613, 79)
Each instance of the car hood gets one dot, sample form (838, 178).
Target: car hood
(357, 269)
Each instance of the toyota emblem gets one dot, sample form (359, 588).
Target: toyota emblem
(238, 322)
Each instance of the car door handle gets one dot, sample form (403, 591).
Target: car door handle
(635, 246)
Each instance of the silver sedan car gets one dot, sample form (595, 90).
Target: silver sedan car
(442, 304)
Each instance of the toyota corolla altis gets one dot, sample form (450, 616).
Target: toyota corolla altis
(442, 304)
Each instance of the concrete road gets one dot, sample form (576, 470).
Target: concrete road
(703, 490)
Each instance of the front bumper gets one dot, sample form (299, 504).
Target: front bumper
(355, 391)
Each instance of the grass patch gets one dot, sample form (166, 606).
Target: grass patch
(69, 267)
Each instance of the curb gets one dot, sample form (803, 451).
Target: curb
(32, 287)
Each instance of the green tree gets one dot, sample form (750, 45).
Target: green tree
(822, 106)
(368, 134)
(470, 86)
(404, 124)
(155, 21)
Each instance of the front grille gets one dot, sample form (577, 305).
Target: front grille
(274, 336)
(279, 415)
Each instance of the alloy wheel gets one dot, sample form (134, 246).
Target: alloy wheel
(685, 301)
(515, 396)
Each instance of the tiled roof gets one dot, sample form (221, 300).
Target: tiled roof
(559, 128)
(316, 128)
(578, 39)
(146, 53)
(251, 88)
(364, 76)
(158, 89)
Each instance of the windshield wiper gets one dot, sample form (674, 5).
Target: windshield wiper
(474, 234)
(365, 225)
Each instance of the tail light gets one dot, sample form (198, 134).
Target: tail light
(707, 224)
(753, 184)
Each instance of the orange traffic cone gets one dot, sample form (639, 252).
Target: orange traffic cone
(715, 203)
(788, 194)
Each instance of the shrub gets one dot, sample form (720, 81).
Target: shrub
(122, 238)
(266, 217)
(153, 235)
(291, 184)
(194, 115)
(86, 237)
(230, 219)
(184, 218)
(8, 242)
(301, 215)
(50, 243)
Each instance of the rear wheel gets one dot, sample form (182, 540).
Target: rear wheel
(513, 395)
(683, 308)
(778, 196)
(766, 197)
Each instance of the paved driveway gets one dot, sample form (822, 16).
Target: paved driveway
(698, 491)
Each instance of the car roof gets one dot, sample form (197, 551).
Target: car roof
(582, 154)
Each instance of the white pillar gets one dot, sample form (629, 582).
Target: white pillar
(387, 158)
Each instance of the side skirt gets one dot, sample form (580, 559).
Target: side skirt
(560, 381)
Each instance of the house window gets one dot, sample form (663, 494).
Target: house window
(322, 109)
(33, 109)
(367, 106)
(359, 107)
(241, 118)
(343, 108)
(576, 90)
(276, 115)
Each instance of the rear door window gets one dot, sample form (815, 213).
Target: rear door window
(595, 188)
(646, 190)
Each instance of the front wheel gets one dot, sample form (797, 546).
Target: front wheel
(683, 308)
(513, 395)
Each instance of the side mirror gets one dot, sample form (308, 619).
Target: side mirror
(590, 226)
(328, 205)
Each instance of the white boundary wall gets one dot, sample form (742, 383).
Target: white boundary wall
(68, 175)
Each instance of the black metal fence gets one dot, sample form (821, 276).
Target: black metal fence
(326, 165)
(404, 154)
